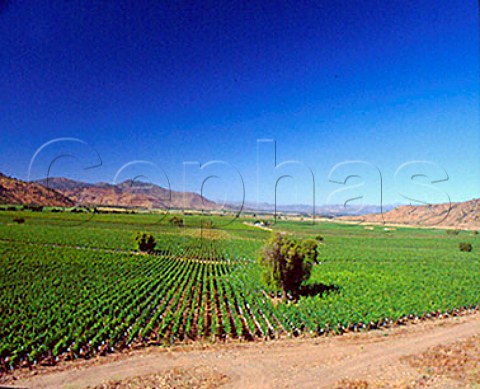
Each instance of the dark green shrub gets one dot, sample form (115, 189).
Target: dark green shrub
(145, 242)
(176, 221)
(33, 208)
(465, 246)
(453, 232)
(78, 210)
(288, 263)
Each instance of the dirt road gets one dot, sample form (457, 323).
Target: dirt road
(377, 356)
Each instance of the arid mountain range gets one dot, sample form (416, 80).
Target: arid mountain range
(460, 215)
(127, 194)
(63, 192)
(13, 191)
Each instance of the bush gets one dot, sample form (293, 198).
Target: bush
(465, 247)
(19, 220)
(77, 210)
(10, 208)
(176, 221)
(207, 224)
(145, 242)
(288, 263)
(33, 208)
(319, 238)
(453, 232)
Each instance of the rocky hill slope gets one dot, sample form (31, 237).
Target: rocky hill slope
(13, 191)
(127, 194)
(460, 215)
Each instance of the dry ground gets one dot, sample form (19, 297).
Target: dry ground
(441, 354)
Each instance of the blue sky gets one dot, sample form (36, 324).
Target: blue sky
(385, 83)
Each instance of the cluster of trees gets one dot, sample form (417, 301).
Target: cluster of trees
(33, 208)
(8, 208)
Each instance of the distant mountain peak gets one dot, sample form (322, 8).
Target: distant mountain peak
(128, 193)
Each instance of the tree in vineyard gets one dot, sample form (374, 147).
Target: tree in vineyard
(145, 242)
(288, 263)
(465, 247)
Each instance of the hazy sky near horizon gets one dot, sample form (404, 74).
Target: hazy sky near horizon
(393, 85)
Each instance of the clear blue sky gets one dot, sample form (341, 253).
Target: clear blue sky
(384, 82)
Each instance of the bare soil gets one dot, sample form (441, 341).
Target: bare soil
(178, 378)
(443, 353)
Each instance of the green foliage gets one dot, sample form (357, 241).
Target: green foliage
(463, 246)
(453, 232)
(145, 242)
(33, 208)
(288, 263)
(208, 224)
(177, 221)
(74, 292)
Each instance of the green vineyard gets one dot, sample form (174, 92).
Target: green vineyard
(73, 289)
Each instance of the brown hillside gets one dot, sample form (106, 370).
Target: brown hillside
(464, 215)
(13, 191)
(127, 194)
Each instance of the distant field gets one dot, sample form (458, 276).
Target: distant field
(71, 285)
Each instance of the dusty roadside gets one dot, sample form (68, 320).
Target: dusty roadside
(398, 357)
